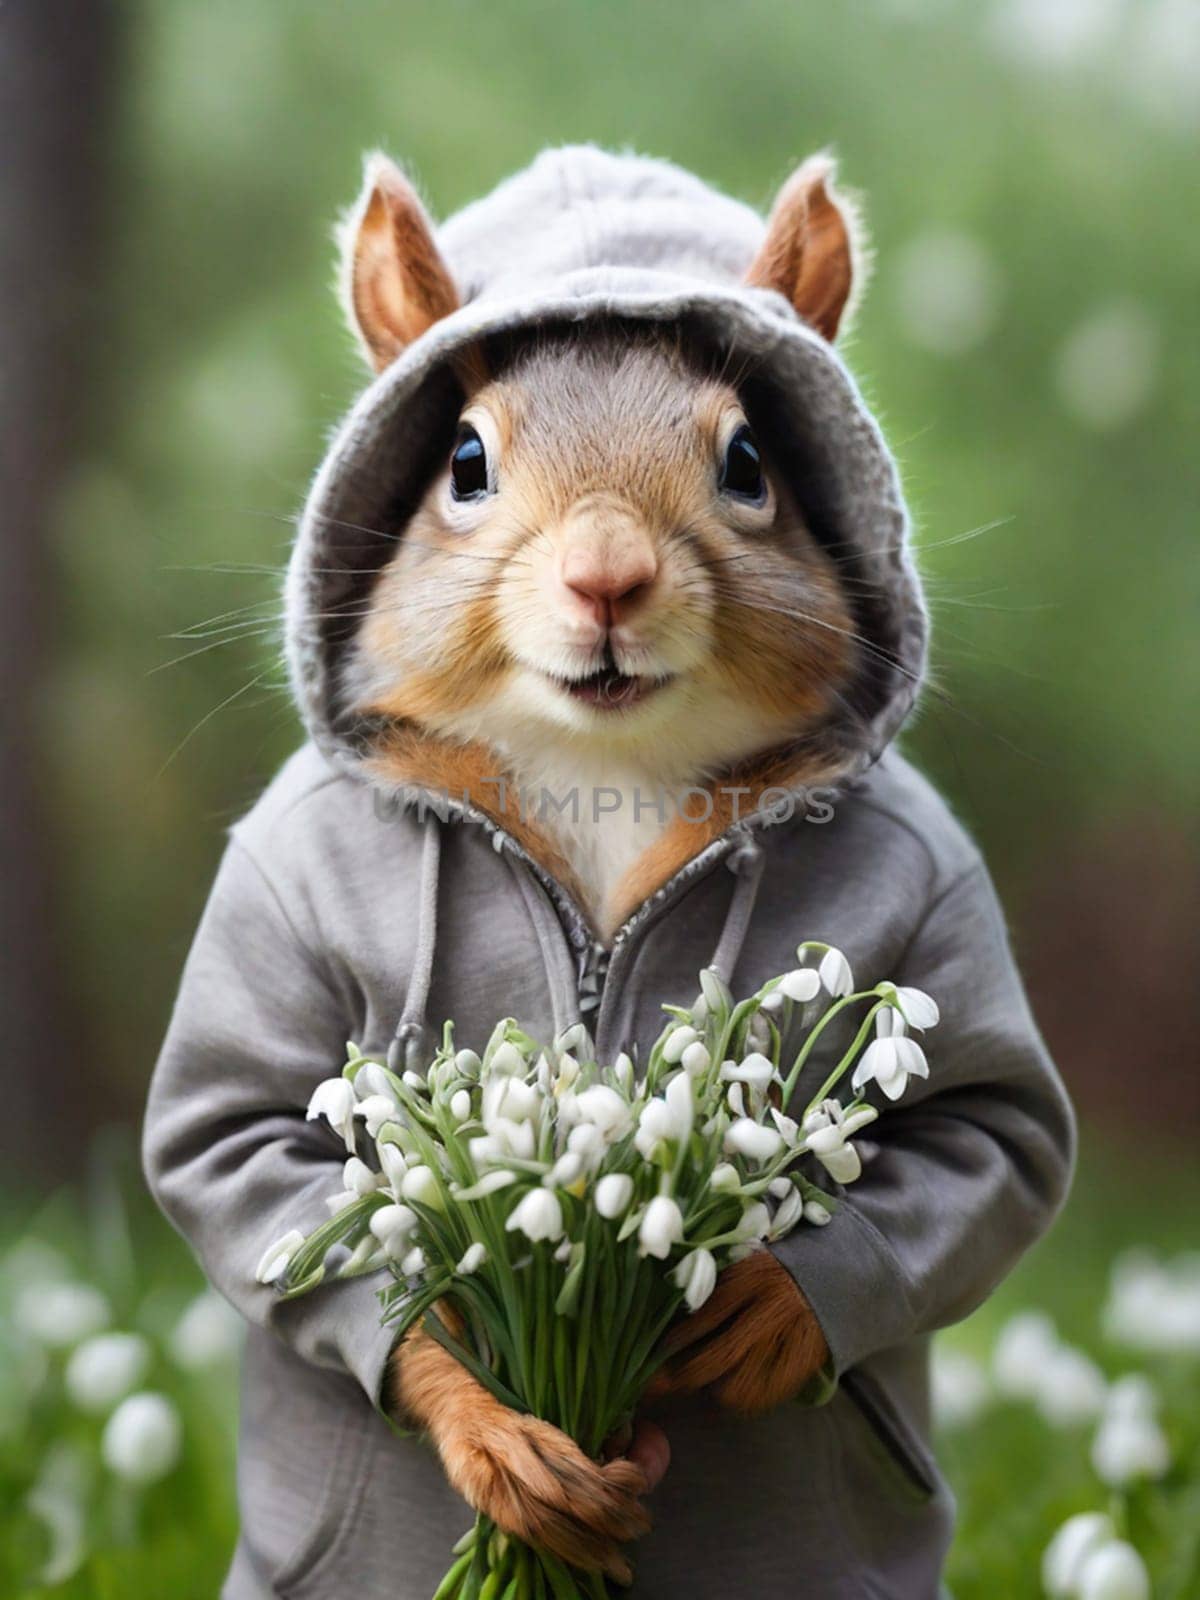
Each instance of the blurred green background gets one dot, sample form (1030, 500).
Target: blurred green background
(173, 361)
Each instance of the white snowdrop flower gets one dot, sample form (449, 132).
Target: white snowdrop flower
(473, 1258)
(699, 1011)
(143, 1438)
(568, 1169)
(725, 1179)
(504, 1139)
(371, 1079)
(948, 291)
(572, 1040)
(801, 984)
(751, 1139)
(1108, 365)
(467, 1063)
(891, 1059)
(104, 1368)
(834, 973)
(756, 1070)
(587, 1141)
(338, 1202)
(755, 1222)
(414, 1263)
(512, 1099)
(421, 1184)
(367, 1256)
(1132, 1395)
(788, 1214)
(826, 1132)
(335, 1100)
(543, 1075)
(1127, 1448)
(959, 1387)
(375, 1110)
(460, 1105)
(612, 1195)
(60, 1314)
(1024, 1347)
(662, 1227)
(538, 1215)
(1064, 1556)
(605, 1109)
(395, 1164)
(677, 1042)
(667, 1119)
(789, 1129)
(920, 1009)
(736, 1099)
(696, 1275)
(773, 1002)
(562, 1250)
(1057, 35)
(696, 1060)
(506, 1058)
(207, 1334)
(275, 1259)
(568, 1076)
(714, 992)
(780, 1188)
(1071, 1388)
(758, 1034)
(1114, 1572)
(623, 1071)
(491, 1183)
(816, 1213)
(392, 1228)
(358, 1178)
(414, 1081)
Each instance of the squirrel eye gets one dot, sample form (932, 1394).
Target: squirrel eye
(742, 473)
(468, 465)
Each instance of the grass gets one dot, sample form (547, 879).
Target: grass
(1016, 1478)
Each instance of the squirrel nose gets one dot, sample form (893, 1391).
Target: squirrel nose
(609, 571)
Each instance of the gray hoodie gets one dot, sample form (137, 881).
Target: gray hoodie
(343, 913)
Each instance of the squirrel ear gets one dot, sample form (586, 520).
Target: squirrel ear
(814, 252)
(394, 282)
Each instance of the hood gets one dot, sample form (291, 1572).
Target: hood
(583, 234)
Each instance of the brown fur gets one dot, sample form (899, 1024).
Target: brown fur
(529, 1477)
(808, 254)
(753, 1344)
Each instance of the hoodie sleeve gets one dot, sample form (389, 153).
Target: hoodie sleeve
(973, 1163)
(228, 1154)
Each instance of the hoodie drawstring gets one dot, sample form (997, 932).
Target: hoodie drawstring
(408, 1045)
(746, 862)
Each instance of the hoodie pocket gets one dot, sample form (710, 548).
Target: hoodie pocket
(334, 1514)
(901, 1455)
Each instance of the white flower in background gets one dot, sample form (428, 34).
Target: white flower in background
(104, 1368)
(948, 291)
(1056, 35)
(919, 1009)
(358, 1179)
(892, 1058)
(60, 1314)
(696, 1275)
(1160, 65)
(677, 1042)
(613, 1194)
(1108, 365)
(58, 1500)
(460, 1105)
(788, 1213)
(208, 1333)
(274, 1262)
(661, 1227)
(142, 1439)
(826, 1131)
(392, 1227)
(695, 1060)
(725, 1178)
(1078, 1538)
(1129, 1447)
(1071, 1388)
(834, 973)
(375, 1110)
(604, 1109)
(1132, 1396)
(801, 984)
(538, 1215)
(753, 1140)
(756, 1070)
(1154, 1305)
(335, 1100)
(959, 1387)
(1114, 1572)
(421, 1184)
(472, 1259)
(1025, 1346)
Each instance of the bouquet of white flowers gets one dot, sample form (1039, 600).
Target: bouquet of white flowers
(529, 1188)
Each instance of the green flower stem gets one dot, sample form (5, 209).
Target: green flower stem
(793, 1077)
(843, 1066)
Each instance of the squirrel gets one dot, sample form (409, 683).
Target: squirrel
(596, 590)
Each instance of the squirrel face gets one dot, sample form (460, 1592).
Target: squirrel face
(608, 559)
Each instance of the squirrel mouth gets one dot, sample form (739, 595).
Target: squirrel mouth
(610, 689)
